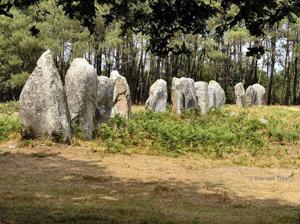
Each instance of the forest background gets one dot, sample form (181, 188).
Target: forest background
(35, 29)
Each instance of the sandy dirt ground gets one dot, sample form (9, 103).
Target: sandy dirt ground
(67, 184)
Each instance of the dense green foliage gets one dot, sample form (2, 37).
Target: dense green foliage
(8, 124)
(9, 121)
(182, 45)
(162, 19)
(20, 47)
(218, 133)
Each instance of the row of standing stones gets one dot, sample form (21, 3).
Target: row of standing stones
(254, 95)
(48, 108)
(203, 96)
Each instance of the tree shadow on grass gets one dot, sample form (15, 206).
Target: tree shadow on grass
(47, 188)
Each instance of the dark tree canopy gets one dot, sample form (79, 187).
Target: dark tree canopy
(162, 19)
(6, 5)
(258, 14)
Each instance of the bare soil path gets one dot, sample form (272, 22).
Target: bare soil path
(64, 184)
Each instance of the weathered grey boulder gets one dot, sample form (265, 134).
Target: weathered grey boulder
(158, 96)
(202, 95)
(183, 95)
(260, 94)
(249, 97)
(255, 95)
(216, 95)
(239, 92)
(211, 98)
(122, 100)
(105, 97)
(43, 104)
(81, 89)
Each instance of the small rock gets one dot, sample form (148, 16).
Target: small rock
(263, 121)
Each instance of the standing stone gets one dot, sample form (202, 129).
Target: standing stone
(43, 104)
(177, 96)
(122, 99)
(202, 94)
(81, 88)
(216, 95)
(211, 97)
(158, 96)
(239, 92)
(249, 97)
(183, 94)
(260, 94)
(105, 97)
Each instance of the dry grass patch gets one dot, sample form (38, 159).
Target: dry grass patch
(76, 185)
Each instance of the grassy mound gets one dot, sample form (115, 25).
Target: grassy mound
(229, 130)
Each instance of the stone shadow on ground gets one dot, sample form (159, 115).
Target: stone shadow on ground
(47, 188)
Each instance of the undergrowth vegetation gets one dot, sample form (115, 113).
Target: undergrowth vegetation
(225, 131)
(230, 130)
(8, 124)
(9, 107)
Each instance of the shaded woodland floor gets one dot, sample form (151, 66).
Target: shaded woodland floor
(60, 184)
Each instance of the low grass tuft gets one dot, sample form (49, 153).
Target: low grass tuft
(9, 124)
(9, 107)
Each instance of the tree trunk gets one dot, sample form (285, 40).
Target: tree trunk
(270, 99)
(287, 83)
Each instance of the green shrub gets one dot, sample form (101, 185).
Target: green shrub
(8, 125)
(281, 132)
(218, 132)
(225, 131)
